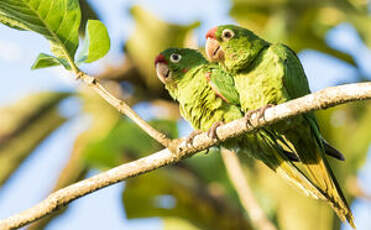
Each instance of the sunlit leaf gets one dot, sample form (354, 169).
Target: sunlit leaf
(45, 60)
(96, 43)
(57, 20)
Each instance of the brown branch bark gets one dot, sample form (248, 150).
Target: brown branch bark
(239, 181)
(320, 100)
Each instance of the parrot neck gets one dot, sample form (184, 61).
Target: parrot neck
(176, 88)
(245, 63)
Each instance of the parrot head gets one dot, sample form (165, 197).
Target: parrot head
(233, 46)
(173, 63)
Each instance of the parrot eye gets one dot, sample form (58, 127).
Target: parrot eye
(175, 58)
(227, 34)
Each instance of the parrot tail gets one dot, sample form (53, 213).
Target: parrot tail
(270, 153)
(311, 149)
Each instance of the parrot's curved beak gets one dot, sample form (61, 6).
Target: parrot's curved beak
(214, 51)
(162, 70)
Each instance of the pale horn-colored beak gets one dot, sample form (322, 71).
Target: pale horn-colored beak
(162, 71)
(214, 51)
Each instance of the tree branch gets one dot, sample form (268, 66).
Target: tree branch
(123, 108)
(320, 100)
(239, 181)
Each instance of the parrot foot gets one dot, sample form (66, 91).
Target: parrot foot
(259, 114)
(189, 139)
(212, 131)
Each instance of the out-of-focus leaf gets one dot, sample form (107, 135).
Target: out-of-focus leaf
(23, 126)
(125, 138)
(338, 123)
(362, 24)
(57, 20)
(21, 114)
(176, 193)
(171, 223)
(96, 43)
(151, 36)
(210, 168)
(301, 24)
(292, 209)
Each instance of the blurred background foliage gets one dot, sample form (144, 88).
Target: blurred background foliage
(196, 193)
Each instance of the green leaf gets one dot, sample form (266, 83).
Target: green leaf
(57, 20)
(96, 42)
(46, 60)
(4, 21)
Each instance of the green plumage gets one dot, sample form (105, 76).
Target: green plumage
(265, 74)
(191, 82)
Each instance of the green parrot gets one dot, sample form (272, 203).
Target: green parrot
(207, 96)
(269, 74)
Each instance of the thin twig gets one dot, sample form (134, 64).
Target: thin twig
(239, 181)
(320, 100)
(123, 108)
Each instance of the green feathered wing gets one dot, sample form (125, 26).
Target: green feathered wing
(223, 85)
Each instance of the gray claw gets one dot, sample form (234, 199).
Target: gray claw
(259, 114)
(212, 131)
(189, 139)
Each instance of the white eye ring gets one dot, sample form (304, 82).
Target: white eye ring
(227, 34)
(175, 58)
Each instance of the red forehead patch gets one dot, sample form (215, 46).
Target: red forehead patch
(160, 58)
(211, 33)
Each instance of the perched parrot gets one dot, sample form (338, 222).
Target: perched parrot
(268, 74)
(207, 96)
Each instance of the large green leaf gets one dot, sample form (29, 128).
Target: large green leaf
(96, 42)
(56, 20)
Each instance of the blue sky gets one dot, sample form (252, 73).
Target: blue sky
(38, 173)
